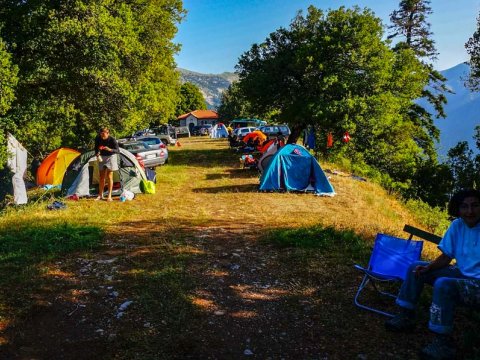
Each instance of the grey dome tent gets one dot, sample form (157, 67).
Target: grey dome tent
(82, 175)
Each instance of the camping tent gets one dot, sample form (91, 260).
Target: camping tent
(293, 168)
(82, 175)
(272, 147)
(219, 131)
(256, 134)
(53, 168)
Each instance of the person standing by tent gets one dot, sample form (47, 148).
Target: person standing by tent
(106, 148)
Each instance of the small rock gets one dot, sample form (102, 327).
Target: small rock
(248, 352)
(234, 267)
(219, 312)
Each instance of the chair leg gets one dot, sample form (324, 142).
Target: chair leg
(362, 286)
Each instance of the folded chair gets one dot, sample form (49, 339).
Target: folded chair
(390, 259)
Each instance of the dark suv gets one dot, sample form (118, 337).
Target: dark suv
(272, 131)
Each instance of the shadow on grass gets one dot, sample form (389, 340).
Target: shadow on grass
(23, 249)
(234, 174)
(247, 188)
(203, 158)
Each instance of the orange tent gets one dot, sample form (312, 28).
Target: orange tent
(254, 135)
(53, 168)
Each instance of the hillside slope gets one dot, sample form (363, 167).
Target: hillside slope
(195, 271)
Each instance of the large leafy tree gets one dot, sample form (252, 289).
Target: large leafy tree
(334, 71)
(410, 25)
(233, 104)
(8, 81)
(190, 99)
(473, 49)
(83, 64)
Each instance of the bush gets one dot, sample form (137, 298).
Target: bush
(435, 219)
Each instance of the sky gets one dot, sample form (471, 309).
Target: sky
(215, 33)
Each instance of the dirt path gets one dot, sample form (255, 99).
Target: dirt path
(174, 285)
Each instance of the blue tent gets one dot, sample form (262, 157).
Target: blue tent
(219, 131)
(293, 168)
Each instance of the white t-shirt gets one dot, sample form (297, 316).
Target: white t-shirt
(461, 243)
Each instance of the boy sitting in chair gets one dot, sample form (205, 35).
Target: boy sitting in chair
(452, 285)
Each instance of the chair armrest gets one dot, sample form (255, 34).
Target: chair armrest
(422, 234)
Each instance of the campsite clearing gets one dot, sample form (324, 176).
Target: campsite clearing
(206, 268)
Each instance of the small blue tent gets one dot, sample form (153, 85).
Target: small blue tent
(219, 131)
(293, 168)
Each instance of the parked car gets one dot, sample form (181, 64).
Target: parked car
(166, 133)
(154, 142)
(272, 131)
(200, 130)
(242, 131)
(182, 131)
(142, 151)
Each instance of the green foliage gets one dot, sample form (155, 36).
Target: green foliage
(473, 50)
(84, 64)
(190, 99)
(8, 82)
(334, 71)
(317, 237)
(435, 219)
(465, 166)
(234, 105)
(409, 23)
(39, 242)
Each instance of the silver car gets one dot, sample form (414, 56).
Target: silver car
(144, 153)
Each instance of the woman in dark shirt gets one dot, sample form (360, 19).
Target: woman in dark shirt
(106, 148)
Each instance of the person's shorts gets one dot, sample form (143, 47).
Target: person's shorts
(109, 162)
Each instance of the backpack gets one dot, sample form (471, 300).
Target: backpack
(147, 187)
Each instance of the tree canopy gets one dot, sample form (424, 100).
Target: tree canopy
(190, 99)
(473, 50)
(83, 64)
(410, 25)
(335, 72)
(8, 82)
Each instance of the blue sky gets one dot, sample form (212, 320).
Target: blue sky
(216, 32)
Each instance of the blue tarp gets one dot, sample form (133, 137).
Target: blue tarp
(293, 168)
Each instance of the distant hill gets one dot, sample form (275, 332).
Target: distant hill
(211, 85)
(462, 109)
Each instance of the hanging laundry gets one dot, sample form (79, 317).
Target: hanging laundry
(346, 137)
(329, 140)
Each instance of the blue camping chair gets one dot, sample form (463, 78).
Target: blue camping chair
(390, 259)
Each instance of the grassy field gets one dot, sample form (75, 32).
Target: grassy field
(205, 268)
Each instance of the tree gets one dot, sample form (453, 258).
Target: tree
(409, 23)
(233, 104)
(190, 99)
(473, 50)
(464, 165)
(8, 82)
(83, 64)
(333, 71)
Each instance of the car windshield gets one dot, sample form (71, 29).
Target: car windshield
(136, 146)
(151, 141)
